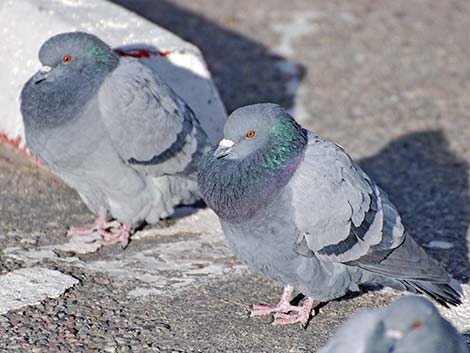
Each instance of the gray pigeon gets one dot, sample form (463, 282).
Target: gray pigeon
(409, 325)
(296, 208)
(114, 131)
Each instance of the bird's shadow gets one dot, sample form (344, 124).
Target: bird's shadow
(244, 71)
(423, 177)
(428, 183)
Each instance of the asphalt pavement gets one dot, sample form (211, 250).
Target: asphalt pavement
(388, 80)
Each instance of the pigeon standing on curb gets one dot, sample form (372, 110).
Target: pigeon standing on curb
(409, 325)
(114, 131)
(296, 208)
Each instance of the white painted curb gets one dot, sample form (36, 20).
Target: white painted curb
(26, 24)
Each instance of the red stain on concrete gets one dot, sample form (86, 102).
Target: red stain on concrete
(16, 143)
(140, 53)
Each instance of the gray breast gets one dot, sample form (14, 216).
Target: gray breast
(268, 242)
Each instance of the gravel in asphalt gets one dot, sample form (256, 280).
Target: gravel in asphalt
(388, 80)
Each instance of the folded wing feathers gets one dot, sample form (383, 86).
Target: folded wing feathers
(371, 222)
(149, 125)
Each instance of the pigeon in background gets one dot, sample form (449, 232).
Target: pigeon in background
(114, 131)
(296, 208)
(409, 325)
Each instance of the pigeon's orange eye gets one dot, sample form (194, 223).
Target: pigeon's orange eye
(417, 324)
(250, 134)
(67, 59)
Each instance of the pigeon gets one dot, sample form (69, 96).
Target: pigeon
(295, 207)
(114, 131)
(410, 324)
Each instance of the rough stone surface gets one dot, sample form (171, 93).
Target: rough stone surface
(388, 80)
(29, 286)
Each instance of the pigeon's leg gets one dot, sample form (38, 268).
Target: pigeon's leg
(283, 305)
(120, 237)
(301, 316)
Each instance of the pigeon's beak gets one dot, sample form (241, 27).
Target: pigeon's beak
(224, 148)
(42, 74)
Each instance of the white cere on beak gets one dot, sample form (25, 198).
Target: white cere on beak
(394, 334)
(226, 143)
(45, 69)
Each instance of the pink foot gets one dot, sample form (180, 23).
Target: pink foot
(283, 305)
(300, 315)
(114, 238)
(104, 229)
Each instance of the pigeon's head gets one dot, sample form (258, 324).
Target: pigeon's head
(75, 65)
(409, 316)
(74, 55)
(265, 128)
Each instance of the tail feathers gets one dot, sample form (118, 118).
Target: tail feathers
(443, 293)
(411, 266)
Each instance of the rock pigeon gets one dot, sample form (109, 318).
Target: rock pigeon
(295, 207)
(114, 131)
(409, 325)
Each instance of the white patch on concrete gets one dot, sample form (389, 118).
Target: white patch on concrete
(300, 25)
(459, 315)
(170, 267)
(184, 256)
(78, 244)
(26, 24)
(200, 222)
(37, 256)
(298, 111)
(29, 286)
(81, 244)
(143, 291)
(439, 244)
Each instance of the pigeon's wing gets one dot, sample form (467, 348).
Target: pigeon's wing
(151, 128)
(343, 217)
(341, 214)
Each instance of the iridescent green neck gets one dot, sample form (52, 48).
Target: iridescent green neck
(288, 140)
(102, 54)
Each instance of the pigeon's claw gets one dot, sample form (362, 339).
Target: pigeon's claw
(265, 310)
(104, 228)
(122, 236)
(301, 315)
(283, 305)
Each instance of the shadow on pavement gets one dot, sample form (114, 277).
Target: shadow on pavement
(244, 71)
(428, 183)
